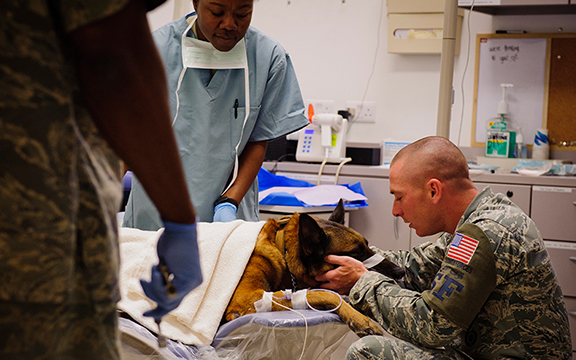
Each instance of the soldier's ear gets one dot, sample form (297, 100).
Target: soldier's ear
(313, 240)
(434, 188)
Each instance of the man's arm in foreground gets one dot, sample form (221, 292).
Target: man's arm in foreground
(123, 82)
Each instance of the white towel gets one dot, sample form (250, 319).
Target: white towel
(225, 249)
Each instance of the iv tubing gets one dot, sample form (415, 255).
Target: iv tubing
(305, 323)
(304, 317)
(329, 310)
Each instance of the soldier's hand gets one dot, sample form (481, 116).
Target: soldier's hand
(343, 278)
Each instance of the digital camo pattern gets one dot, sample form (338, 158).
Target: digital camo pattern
(71, 330)
(59, 182)
(384, 347)
(524, 317)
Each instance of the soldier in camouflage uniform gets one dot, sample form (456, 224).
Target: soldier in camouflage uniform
(484, 290)
(60, 184)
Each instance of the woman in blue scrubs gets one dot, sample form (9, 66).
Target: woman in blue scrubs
(222, 122)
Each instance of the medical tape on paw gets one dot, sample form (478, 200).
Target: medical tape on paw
(299, 301)
(373, 261)
(264, 304)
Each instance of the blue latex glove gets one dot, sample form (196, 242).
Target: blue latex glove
(178, 250)
(225, 212)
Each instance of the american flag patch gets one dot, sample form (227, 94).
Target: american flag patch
(462, 248)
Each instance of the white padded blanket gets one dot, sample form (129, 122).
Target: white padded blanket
(225, 249)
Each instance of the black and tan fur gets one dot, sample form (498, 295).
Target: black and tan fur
(304, 243)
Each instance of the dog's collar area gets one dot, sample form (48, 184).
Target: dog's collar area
(281, 245)
(279, 241)
(373, 261)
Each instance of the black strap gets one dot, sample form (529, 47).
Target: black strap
(225, 199)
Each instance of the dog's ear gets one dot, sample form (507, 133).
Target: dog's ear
(338, 213)
(313, 240)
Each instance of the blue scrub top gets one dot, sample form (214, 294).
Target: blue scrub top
(209, 124)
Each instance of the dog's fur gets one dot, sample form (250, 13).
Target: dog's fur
(307, 241)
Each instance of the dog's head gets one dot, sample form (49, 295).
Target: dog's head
(318, 238)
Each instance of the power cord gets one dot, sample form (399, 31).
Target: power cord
(327, 152)
(346, 160)
(275, 167)
(464, 73)
(359, 110)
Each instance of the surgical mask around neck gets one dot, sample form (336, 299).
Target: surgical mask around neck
(203, 55)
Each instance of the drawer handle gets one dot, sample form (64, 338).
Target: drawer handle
(573, 313)
(572, 258)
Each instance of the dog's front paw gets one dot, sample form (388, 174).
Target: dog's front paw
(364, 327)
(232, 316)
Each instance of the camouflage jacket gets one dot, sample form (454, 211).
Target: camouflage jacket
(524, 315)
(59, 181)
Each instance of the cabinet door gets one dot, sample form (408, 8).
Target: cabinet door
(554, 212)
(519, 194)
(563, 257)
(571, 308)
(376, 222)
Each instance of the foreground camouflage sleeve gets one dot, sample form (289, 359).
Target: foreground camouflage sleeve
(77, 13)
(401, 312)
(421, 264)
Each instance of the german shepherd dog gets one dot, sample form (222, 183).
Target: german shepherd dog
(289, 253)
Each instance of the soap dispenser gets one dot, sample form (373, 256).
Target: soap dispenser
(503, 105)
(500, 135)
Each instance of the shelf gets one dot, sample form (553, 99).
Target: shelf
(524, 9)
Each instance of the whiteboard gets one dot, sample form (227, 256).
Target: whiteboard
(517, 61)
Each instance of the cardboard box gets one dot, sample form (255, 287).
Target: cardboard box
(419, 23)
(416, 26)
(415, 6)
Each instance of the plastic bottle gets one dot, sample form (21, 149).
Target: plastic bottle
(521, 149)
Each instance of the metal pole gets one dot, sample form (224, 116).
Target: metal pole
(447, 68)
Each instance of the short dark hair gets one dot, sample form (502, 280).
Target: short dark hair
(434, 157)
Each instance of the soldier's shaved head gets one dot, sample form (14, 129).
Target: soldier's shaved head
(433, 157)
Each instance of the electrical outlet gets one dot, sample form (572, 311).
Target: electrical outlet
(322, 106)
(363, 112)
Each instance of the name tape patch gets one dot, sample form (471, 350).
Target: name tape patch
(462, 248)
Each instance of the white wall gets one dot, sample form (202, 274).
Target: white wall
(334, 44)
(170, 10)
